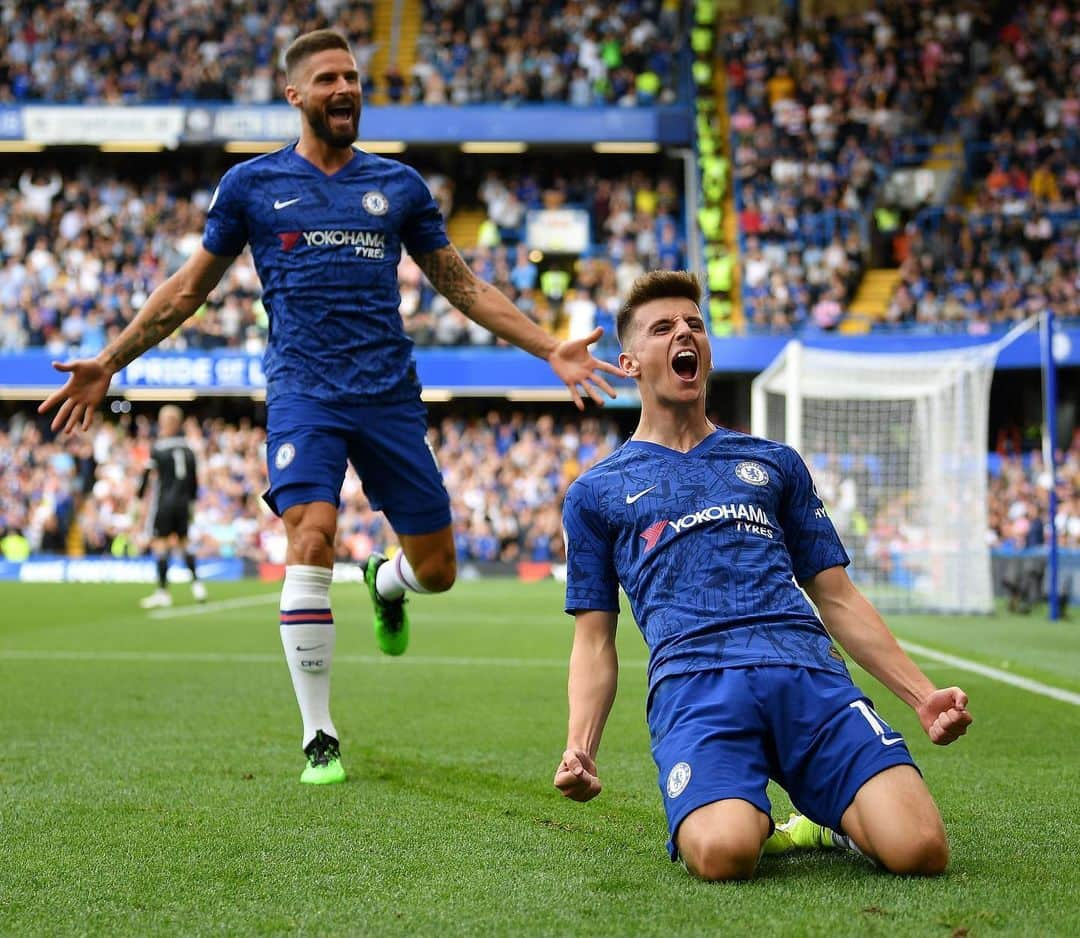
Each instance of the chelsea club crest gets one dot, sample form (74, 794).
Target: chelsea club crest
(375, 203)
(678, 778)
(752, 473)
(284, 455)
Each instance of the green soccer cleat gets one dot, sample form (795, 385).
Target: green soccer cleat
(804, 834)
(324, 761)
(391, 619)
(779, 842)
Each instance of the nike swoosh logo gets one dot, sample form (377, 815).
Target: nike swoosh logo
(630, 499)
(286, 203)
(310, 647)
(891, 742)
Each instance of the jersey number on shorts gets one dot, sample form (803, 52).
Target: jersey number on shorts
(876, 723)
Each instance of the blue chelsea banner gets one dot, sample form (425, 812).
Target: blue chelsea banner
(219, 372)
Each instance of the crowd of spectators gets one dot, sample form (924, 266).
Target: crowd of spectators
(822, 112)
(507, 478)
(789, 287)
(80, 252)
(604, 53)
(1019, 496)
(640, 209)
(1014, 250)
(50, 486)
(506, 475)
(1022, 117)
(972, 271)
(1019, 514)
(122, 52)
(615, 52)
(884, 527)
(1018, 503)
(634, 224)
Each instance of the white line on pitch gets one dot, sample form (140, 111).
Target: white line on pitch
(220, 606)
(995, 674)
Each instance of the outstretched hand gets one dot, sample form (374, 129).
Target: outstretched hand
(79, 397)
(944, 715)
(576, 367)
(576, 776)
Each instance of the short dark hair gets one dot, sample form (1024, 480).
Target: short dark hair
(656, 285)
(305, 46)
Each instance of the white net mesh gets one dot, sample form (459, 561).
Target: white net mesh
(897, 448)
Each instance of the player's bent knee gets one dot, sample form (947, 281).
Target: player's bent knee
(438, 574)
(717, 867)
(311, 544)
(720, 857)
(924, 853)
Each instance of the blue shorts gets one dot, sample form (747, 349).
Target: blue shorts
(308, 442)
(724, 733)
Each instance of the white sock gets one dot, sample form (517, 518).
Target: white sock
(307, 635)
(395, 576)
(844, 842)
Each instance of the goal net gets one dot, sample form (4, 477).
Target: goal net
(897, 447)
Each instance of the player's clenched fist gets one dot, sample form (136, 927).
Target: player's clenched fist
(576, 776)
(944, 715)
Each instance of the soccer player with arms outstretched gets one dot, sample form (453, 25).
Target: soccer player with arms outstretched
(326, 223)
(711, 533)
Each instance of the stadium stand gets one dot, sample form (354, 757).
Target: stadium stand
(507, 472)
(466, 53)
(76, 495)
(607, 53)
(825, 114)
(800, 131)
(82, 248)
(65, 51)
(1008, 247)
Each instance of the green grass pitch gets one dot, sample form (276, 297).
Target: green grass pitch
(149, 766)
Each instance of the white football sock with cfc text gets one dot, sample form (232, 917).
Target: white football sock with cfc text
(395, 576)
(307, 635)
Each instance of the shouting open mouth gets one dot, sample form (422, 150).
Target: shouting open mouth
(685, 364)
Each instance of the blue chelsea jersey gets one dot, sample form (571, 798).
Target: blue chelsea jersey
(326, 248)
(709, 546)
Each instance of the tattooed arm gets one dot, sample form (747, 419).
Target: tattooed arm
(488, 306)
(483, 303)
(171, 303)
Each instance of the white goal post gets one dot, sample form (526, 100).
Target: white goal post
(897, 447)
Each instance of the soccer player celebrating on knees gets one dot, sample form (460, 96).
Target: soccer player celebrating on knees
(326, 223)
(711, 533)
(171, 476)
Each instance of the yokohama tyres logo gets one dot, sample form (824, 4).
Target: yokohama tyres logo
(368, 244)
(748, 518)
